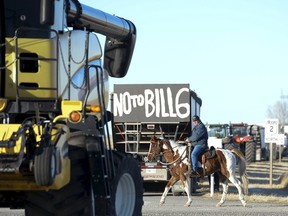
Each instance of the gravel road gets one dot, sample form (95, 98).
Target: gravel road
(174, 206)
(263, 200)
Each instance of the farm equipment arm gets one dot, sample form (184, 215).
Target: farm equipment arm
(120, 35)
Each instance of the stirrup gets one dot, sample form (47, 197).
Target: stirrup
(194, 174)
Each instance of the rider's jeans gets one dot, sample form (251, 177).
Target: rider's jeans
(198, 149)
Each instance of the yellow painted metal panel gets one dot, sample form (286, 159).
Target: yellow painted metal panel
(45, 77)
(17, 181)
(6, 130)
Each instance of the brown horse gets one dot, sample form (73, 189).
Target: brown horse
(224, 162)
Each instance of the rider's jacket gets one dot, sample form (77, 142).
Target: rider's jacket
(199, 135)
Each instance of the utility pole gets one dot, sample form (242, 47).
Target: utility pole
(283, 124)
(283, 97)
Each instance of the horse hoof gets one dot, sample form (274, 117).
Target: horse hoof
(188, 203)
(219, 204)
(161, 203)
(244, 204)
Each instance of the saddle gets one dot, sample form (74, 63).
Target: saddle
(209, 153)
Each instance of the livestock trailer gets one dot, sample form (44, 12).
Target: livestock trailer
(143, 110)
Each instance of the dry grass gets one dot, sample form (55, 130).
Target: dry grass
(265, 198)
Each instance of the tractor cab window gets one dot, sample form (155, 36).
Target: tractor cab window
(239, 131)
(217, 132)
(95, 75)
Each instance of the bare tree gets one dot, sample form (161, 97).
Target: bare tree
(279, 111)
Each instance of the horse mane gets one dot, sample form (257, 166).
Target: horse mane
(171, 144)
(163, 141)
(177, 150)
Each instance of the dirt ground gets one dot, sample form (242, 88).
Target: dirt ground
(260, 188)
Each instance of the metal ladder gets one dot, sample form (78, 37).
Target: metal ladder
(31, 58)
(132, 137)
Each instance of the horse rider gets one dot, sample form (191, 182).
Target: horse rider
(199, 140)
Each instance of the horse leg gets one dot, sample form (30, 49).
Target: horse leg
(237, 184)
(224, 194)
(168, 186)
(163, 197)
(187, 183)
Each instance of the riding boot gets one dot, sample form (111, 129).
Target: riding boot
(201, 172)
(194, 174)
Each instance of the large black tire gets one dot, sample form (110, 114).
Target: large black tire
(76, 197)
(250, 152)
(127, 186)
(230, 146)
(264, 154)
(285, 152)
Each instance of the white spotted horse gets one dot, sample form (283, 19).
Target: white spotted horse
(223, 161)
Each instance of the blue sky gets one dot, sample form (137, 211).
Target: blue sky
(234, 54)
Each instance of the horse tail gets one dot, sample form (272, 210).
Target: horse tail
(242, 169)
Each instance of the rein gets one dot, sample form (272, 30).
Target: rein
(172, 161)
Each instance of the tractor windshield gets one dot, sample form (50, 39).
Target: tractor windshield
(218, 131)
(240, 131)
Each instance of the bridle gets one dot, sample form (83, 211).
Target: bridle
(152, 143)
(170, 163)
(164, 152)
